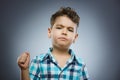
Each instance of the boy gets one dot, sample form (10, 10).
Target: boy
(60, 62)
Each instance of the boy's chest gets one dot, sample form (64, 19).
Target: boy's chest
(61, 61)
(51, 70)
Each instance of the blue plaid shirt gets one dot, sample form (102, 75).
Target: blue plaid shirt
(45, 67)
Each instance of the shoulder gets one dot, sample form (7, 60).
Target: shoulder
(80, 61)
(39, 57)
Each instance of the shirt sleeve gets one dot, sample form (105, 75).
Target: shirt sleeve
(85, 75)
(34, 69)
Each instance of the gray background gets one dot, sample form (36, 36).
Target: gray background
(24, 24)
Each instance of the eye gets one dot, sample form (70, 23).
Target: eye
(58, 28)
(71, 30)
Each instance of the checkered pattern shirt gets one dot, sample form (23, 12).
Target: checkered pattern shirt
(45, 67)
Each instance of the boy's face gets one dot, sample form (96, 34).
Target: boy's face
(63, 33)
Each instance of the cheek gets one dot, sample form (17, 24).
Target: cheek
(71, 36)
(71, 39)
(56, 33)
(54, 36)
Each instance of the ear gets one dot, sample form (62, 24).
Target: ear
(49, 32)
(76, 36)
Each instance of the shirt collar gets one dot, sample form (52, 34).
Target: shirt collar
(50, 56)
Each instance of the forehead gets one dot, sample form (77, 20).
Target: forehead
(65, 21)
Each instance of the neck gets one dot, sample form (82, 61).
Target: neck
(60, 51)
(61, 55)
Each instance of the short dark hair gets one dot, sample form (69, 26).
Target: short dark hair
(66, 11)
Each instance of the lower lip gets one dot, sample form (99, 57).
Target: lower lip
(63, 39)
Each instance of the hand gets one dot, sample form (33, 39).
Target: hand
(24, 60)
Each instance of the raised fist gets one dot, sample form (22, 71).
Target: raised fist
(24, 60)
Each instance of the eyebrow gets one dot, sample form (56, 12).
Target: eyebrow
(64, 26)
(60, 25)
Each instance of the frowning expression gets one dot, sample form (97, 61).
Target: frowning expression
(63, 32)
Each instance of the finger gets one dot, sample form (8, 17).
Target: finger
(23, 58)
(26, 64)
(27, 61)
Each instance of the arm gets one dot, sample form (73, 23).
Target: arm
(85, 73)
(25, 74)
(23, 63)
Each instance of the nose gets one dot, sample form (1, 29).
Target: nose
(64, 31)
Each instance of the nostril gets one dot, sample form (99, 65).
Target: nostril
(64, 33)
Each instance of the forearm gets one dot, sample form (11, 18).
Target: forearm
(25, 74)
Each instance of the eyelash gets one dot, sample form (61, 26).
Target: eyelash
(58, 28)
(70, 30)
(61, 28)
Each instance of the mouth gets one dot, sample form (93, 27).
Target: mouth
(62, 38)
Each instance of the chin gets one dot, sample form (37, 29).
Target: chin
(63, 46)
